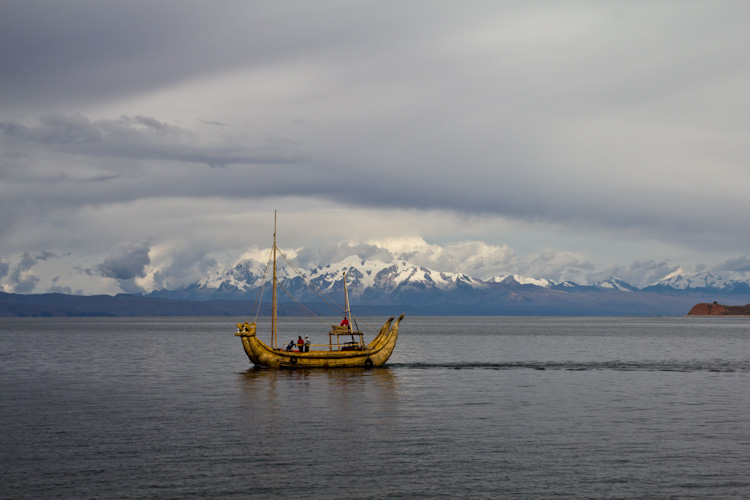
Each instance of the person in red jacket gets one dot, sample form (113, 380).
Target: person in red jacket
(300, 344)
(344, 322)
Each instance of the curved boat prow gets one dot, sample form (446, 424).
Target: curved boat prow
(254, 348)
(384, 331)
(385, 342)
(394, 330)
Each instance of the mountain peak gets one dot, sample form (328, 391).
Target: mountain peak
(681, 281)
(615, 283)
(521, 280)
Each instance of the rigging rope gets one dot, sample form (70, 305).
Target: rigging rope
(262, 287)
(331, 303)
(303, 307)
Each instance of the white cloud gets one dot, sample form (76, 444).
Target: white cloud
(475, 258)
(639, 273)
(557, 265)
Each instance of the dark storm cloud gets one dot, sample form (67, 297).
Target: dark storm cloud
(45, 255)
(128, 261)
(83, 51)
(127, 137)
(217, 124)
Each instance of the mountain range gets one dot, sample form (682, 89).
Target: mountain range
(420, 290)
(378, 288)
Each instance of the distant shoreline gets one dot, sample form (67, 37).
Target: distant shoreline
(519, 303)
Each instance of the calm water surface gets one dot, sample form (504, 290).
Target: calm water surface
(466, 408)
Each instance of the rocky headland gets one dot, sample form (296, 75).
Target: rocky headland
(716, 309)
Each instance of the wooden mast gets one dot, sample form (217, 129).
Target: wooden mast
(273, 299)
(348, 314)
(347, 310)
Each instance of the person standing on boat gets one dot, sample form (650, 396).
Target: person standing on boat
(344, 322)
(300, 344)
(307, 343)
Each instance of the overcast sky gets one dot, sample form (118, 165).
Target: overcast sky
(146, 144)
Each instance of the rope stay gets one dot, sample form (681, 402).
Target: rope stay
(303, 307)
(331, 303)
(262, 287)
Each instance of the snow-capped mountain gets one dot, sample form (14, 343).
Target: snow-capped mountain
(363, 275)
(680, 281)
(369, 278)
(566, 285)
(246, 276)
(615, 283)
(612, 283)
(427, 291)
(705, 281)
(521, 280)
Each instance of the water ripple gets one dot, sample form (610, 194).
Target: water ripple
(720, 366)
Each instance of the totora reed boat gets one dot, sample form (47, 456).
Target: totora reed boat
(352, 352)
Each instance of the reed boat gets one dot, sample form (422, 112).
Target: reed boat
(335, 353)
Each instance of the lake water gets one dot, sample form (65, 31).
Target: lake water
(466, 408)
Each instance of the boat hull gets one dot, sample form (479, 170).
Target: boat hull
(376, 353)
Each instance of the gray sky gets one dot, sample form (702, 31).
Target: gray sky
(145, 144)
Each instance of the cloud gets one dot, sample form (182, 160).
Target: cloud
(638, 273)
(45, 255)
(127, 262)
(310, 257)
(740, 265)
(4, 267)
(475, 258)
(92, 52)
(140, 138)
(22, 279)
(557, 265)
(55, 288)
(174, 266)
